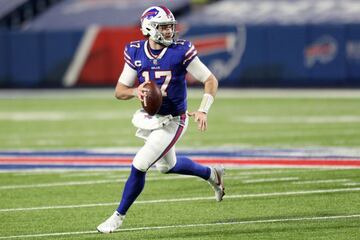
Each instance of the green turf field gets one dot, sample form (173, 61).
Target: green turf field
(260, 204)
(281, 204)
(47, 120)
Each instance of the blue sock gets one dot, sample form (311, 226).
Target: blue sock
(133, 187)
(186, 166)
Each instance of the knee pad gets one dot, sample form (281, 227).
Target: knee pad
(146, 157)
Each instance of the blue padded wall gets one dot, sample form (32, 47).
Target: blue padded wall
(27, 65)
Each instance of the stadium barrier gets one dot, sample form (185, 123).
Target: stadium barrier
(249, 56)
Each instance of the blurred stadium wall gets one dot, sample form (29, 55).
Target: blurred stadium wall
(259, 43)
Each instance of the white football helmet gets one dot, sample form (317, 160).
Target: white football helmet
(152, 18)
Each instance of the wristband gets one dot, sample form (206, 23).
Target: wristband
(206, 102)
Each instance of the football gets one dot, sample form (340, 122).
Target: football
(153, 100)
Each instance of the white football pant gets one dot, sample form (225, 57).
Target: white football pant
(159, 146)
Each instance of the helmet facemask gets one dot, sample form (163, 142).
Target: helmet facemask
(160, 38)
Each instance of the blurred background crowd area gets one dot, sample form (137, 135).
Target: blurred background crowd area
(246, 43)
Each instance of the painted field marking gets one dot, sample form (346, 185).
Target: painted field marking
(260, 221)
(76, 183)
(234, 177)
(103, 161)
(59, 184)
(43, 171)
(244, 171)
(254, 195)
(352, 184)
(93, 174)
(322, 181)
(269, 172)
(110, 179)
(297, 119)
(258, 170)
(254, 170)
(265, 180)
(59, 116)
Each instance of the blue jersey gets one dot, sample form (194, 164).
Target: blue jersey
(167, 67)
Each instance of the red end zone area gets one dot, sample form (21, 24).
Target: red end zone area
(230, 158)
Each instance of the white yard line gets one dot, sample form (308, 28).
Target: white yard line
(76, 183)
(236, 177)
(123, 178)
(86, 174)
(260, 221)
(245, 171)
(59, 184)
(352, 184)
(43, 171)
(282, 93)
(296, 119)
(322, 181)
(294, 170)
(266, 180)
(254, 195)
(254, 170)
(59, 116)
(110, 179)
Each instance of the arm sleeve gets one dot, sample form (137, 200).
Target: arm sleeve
(198, 70)
(128, 76)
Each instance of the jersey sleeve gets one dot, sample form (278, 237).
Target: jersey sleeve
(129, 56)
(190, 53)
(128, 76)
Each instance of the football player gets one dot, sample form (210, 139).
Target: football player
(166, 60)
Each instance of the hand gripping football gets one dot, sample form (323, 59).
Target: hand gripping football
(153, 100)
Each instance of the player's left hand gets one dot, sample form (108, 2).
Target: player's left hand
(200, 118)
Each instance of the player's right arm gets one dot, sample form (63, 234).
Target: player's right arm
(125, 87)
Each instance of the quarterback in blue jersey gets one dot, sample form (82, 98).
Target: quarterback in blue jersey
(166, 60)
(166, 66)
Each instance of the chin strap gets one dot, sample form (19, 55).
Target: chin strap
(206, 103)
